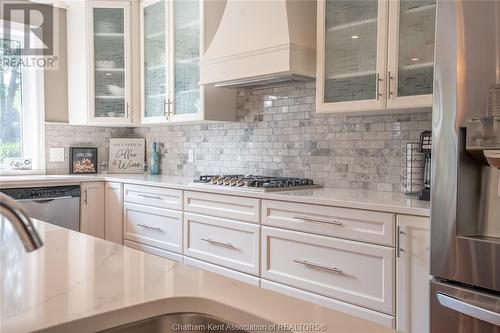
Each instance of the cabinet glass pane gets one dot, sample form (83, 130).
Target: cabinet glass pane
(187, 56)
(350, 50)
(154, 60)
(109, 58)
(416, 47)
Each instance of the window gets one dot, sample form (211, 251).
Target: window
(21, 108)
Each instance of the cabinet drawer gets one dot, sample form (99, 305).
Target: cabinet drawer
(223, 242)
(153, 250)
(361, 274)
(361, 225)
(153, 196)
(225, 206)
(158, 227)
(353, 310)
(250, 279)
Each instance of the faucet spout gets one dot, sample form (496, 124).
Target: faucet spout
(21, 222)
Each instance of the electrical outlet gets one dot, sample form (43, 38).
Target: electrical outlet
(191, 155)
(56, 154)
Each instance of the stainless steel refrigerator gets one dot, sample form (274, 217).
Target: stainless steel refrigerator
(465, 199)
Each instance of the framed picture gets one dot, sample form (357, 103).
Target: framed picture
(126, 155)
(82, 160)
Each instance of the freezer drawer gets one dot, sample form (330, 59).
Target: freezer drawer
(458, 309)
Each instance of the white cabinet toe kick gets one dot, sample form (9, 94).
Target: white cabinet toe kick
(347, 259)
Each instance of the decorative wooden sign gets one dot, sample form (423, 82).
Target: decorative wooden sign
(126, 155)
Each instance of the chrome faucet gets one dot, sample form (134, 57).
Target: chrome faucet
(21, 222)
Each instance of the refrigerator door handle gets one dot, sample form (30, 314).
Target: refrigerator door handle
(469, 309)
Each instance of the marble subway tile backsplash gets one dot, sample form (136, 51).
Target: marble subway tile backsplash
(277, 132)
(65, 136)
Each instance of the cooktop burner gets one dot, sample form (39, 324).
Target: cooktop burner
(256, 183)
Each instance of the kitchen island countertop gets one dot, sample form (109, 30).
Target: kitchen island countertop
(78, 283)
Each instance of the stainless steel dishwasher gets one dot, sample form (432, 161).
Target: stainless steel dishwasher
(59, 205)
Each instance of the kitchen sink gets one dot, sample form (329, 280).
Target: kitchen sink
(177, 322)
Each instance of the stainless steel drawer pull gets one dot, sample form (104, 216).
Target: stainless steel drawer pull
(318, 220)
(150, 196)
(318, 266)
(145, 226)
(211, 241)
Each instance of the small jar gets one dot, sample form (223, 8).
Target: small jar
(103, 167)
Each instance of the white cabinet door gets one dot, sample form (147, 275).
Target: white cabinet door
(356, 224)
(354, 272)
(250, 279)
(412, 277)
(114, 212)
(153, 196)
(351, 55)
(92, 216)
(154, 250)
(155, 75)
(228, 243)
(109, 62)
(173, 34)
(225, 206)
(158, 227)
(99, 62)
(411, 53)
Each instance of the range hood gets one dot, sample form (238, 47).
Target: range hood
(252, 42)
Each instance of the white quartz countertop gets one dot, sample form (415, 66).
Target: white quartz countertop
(78, 283)
(358, 199)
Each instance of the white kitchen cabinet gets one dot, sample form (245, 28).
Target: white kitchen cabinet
(411, 53)
(173, 37)
(228, 243)
(355, 224)
(374, 55)
(92, 215)
(354, 310)
(153, 196)
(250, 279)
(351, 55)
(158, 227)
(114, 212)
(99, 62)
(154, 250)
(413, 275)
(225, 206)
(357, 273)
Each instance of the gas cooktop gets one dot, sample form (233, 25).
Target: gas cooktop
(255, 183)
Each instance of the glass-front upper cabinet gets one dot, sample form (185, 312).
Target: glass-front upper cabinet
(411, 53)
(110, 59)
(374, 54)
(186, 55)
(155, 101)
(351, 58)
(171, 48)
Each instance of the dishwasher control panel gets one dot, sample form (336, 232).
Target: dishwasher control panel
(43, 192)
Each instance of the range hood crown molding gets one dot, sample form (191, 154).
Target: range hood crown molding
(261, 41)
